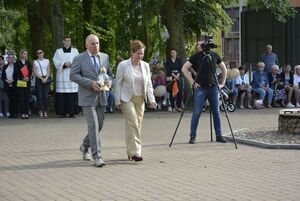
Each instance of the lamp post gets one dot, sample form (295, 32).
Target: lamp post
(241, 2)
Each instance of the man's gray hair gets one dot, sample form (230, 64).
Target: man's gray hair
(269, 46)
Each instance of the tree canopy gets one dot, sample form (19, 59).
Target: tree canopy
(160, 24)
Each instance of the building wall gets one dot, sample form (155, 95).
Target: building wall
(295, 3)
(261, 28)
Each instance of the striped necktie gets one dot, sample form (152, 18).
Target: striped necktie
(96, 65)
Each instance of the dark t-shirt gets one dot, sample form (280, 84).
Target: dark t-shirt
(206, 71)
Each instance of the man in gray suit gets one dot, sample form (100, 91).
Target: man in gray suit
(84, 71)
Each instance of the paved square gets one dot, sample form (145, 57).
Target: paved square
(40, 160)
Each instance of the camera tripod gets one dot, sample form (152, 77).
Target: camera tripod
(207, 54)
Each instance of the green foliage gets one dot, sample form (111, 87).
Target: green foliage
(280, 8)
(73, 18)
(8, 32)
(205, 16)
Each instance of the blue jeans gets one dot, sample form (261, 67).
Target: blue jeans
(111, 100)
(262, 93)
(200, 96)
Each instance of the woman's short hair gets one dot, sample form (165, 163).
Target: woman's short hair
(275, 67)
(136, 45)
(262, 64)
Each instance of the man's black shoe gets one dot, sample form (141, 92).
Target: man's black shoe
(221, 139)
(192, 140)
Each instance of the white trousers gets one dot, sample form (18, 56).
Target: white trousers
(133, 112)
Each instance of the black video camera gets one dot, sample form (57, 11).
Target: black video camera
(208, 44)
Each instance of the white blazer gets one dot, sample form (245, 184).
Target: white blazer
(124, 85)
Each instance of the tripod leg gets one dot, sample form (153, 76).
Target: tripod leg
(182, 113)
(210, 120)
(229, 124)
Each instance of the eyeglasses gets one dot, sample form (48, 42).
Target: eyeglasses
(40, 52)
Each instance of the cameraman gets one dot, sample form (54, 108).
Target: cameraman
(205, 87)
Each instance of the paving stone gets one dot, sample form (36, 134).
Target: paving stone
(40, 160)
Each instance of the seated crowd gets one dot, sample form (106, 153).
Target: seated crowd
(274, 89)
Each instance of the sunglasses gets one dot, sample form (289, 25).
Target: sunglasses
(40, 52)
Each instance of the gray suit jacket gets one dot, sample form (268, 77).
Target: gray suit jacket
(84, 73)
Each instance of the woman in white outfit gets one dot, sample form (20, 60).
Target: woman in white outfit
(134, 87)
(41, 70)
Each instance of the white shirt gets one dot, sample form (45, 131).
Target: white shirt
(296, 80)
(9, 72)
(138, 81)
(242, 79)
(42, 66)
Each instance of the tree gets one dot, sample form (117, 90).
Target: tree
(87, 15)
(52, 14)
(172, 18)
(7, 28)
(37, 25)
(188, 17)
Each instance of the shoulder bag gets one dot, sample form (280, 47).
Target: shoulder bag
(49, 80)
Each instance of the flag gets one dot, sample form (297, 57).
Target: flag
(25, 71)
(175, 88)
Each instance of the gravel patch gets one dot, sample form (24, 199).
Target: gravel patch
(267, 135)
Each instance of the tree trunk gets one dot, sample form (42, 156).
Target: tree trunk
(172, 18)
(55, 19)
(87, 16)
(36, 24)
(145, 34)
(53, 16)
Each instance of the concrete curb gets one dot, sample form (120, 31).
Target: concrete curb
(261, 144)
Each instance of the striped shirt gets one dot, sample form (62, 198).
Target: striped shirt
(269, 60)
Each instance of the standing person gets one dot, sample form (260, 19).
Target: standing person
(9, 76)
(4, 102)
(261, 85)
(41, 70)
(24, 72)
(133, 88)
(173, 74)
(269, 59)
(84, 71)
(66, 90)
(205, 87)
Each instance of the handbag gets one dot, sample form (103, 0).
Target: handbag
(21, 83)
(49, 80)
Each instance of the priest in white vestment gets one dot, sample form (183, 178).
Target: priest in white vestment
(66, 102)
